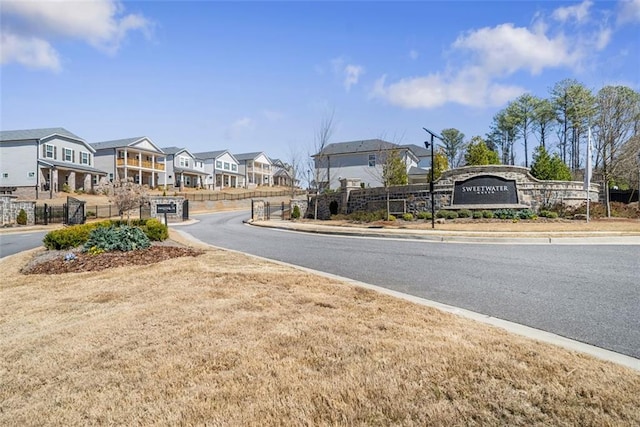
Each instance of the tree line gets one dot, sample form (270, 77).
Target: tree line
(554, 130)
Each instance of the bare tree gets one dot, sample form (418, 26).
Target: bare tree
(124, 194)
(321, 163)
(294, 168)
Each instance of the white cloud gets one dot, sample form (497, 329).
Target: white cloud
(484, 59)
(349, 73)
(579, 12)
(100, 23)
(30, 52)
(628, 11)
(352, 74)
(506, 49)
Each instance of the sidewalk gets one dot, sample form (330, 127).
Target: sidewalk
(446, 236)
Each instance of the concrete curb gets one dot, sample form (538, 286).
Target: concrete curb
(442, 236)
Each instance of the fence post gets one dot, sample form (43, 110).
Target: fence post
(46, 214)
(282, 210)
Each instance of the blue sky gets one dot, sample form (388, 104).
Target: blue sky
(261, 76)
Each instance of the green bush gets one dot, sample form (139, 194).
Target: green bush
(295, 213)
(548, 214)
(447, 214)
(155, 230)
(506, 214)
(391, 218)
(124, 238)
(407, 216)
(487, 214)
(526, 214)
(464, 213)
(365, 216)
(424, 215)
(477, 214)
(22, 217)
(71, 237)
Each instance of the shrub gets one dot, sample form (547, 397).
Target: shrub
(487, 214)
(66, 188)
(295, 213)
(391, 218)
(447, 214)
(91, 214)
(477, 214)
(22, 217)
(155, 230)
(548, 214)
(407, 216)
(124, 238)
(336, 217)
(424, 215)
(464, 213)
(506, 214)
(365, 216)
(526, 214)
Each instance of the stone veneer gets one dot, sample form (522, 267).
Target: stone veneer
(10, 208)
(532, 193)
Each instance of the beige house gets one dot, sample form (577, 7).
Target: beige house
(256, 169)
(137, 158)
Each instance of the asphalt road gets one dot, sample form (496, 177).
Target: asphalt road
(589, 293)
(12, 243)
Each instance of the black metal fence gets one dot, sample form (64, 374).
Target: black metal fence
(214, 196)
(275, 210)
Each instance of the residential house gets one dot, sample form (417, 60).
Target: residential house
(183, 169)
(137, 158)
(222, 169)
(282, 174)
(361, 160)
(256, 169)
(39, 163)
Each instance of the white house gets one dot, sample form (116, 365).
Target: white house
(183, 169)
(38, 163)
(137, 158)
(222, 170)
(256, 169)
(361, 160)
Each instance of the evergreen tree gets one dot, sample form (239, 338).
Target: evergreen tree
(549, 168)
(479, 154)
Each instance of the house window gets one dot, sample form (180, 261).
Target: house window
(32, 174)
(218, 164)
(84, 158)
(226, 165)
(184, 162)
(234, 167)
(49, 151)
(372, 160)
(67, 155)
(5, 175)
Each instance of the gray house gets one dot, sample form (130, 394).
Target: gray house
(183, 169)
(39, 163)
(222, 169)
(256, 168)
(362, 160)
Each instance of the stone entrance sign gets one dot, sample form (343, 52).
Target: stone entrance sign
(485, 190)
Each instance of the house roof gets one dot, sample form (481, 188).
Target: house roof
(418, 151)
(26, 134)
(118, 143)
(356, 147)
(248, 156)
(172, 150)
(210, 154)
(72, 166)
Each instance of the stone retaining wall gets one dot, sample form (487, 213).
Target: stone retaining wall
(10, 208)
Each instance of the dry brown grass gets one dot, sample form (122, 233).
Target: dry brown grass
(225, 339)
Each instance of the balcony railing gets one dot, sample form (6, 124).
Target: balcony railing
(141, 164)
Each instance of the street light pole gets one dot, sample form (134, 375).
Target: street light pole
(428, 144)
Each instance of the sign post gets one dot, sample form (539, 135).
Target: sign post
(166, 208)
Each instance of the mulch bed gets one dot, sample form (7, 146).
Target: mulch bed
(53, 262)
